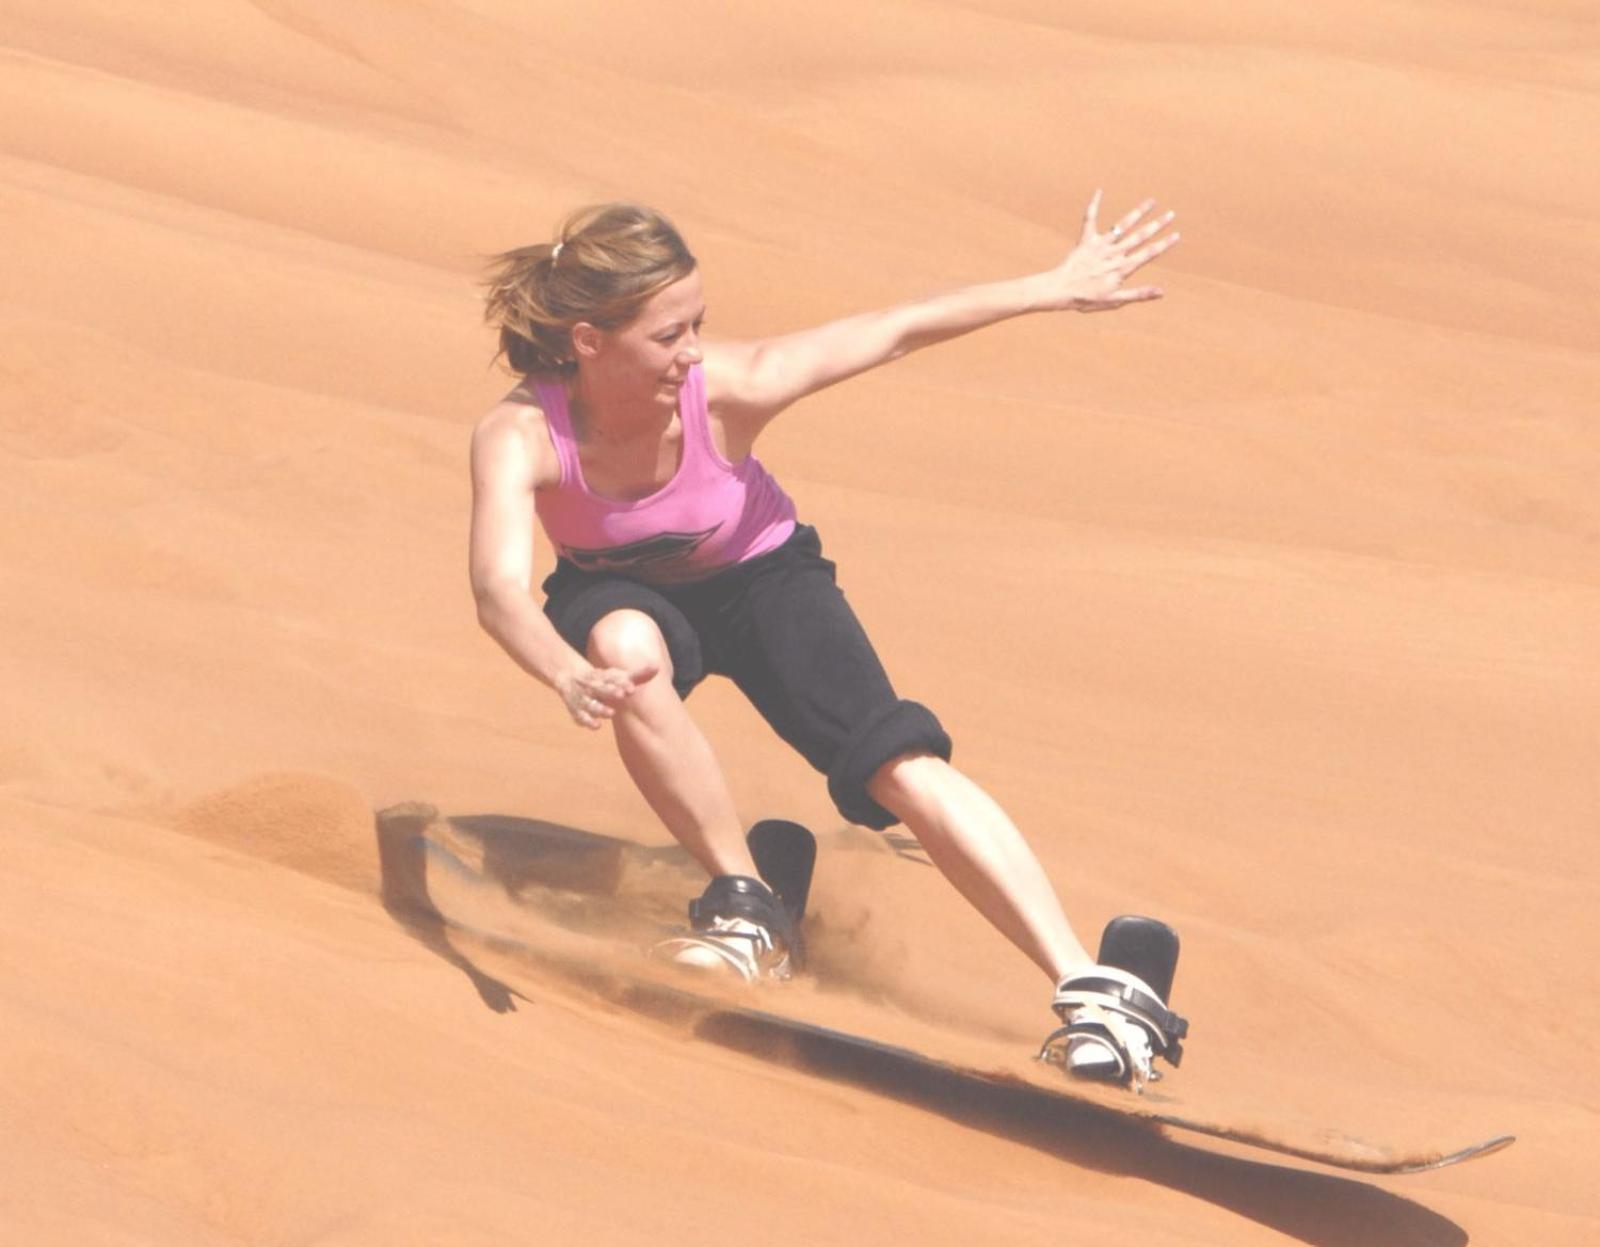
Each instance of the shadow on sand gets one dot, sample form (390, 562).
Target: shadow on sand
(1321, 1209)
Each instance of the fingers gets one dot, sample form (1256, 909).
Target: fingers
(1138, 259)
(1090, 215)
(610, 688)
(1147, 231)
(616, 684)
(589, 712)
(1128, 237)
(591, 700)
(598, 695)
(599, 704)
(1111, 302)
(1132, 219)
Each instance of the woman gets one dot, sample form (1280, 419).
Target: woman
(629, 438)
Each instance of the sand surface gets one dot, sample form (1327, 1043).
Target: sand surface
(1270, 608)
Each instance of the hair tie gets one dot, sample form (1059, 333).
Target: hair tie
(555, 252)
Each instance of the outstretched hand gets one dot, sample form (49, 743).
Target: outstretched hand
(1091, 278)
(595, 694)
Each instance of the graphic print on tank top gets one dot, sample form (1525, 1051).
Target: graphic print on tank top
(661, 550)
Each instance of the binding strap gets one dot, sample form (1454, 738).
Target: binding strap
(1129, 996)
(740, 896)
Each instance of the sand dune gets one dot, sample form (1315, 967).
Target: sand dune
(1269, 608)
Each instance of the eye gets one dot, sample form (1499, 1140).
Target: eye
(672, 335)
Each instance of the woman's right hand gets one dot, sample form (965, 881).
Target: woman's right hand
(594, 694)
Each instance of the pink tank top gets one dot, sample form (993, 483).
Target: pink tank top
(709, 516)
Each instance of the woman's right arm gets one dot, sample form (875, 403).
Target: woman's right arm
(507, 466)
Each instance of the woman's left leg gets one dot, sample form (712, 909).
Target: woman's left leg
(982, 853)
(797, 650)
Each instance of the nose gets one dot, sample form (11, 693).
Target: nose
(689, 349)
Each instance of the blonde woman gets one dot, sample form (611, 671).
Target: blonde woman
(629, 440)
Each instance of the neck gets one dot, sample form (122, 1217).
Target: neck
(606, 416)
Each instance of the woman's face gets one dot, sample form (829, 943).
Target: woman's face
(653, 353)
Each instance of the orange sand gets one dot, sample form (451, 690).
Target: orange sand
(1270, 608)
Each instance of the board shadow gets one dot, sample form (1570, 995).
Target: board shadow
(1321, 1209)
(1316, 1208)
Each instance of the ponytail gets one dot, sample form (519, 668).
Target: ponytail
(608, 260)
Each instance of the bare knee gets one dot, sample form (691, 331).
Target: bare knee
(629, 639)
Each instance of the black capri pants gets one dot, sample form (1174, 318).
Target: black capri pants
(779, 627)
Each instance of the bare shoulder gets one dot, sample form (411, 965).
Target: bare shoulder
(511, 443)
(748, 383)
(730, 376)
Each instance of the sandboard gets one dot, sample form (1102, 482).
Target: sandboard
(785, 853)
(858, 1058)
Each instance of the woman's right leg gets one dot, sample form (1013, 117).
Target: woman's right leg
(664, 750)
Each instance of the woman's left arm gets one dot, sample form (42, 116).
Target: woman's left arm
(755, 381)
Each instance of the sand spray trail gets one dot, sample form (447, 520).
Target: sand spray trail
(563, 892)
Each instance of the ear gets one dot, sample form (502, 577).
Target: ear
(587, 340)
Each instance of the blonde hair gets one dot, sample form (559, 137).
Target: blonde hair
(607, 261)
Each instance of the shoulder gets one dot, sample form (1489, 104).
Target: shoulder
(728, 370)
(512, 440)
(731, 378)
